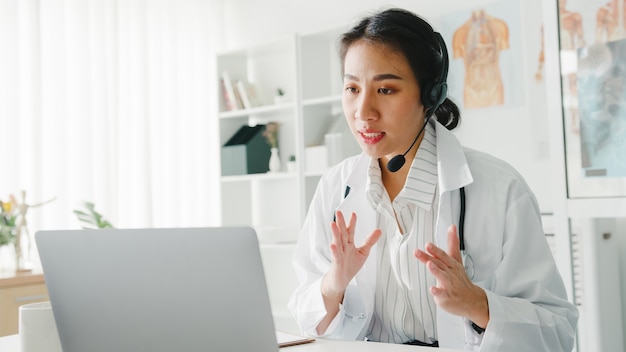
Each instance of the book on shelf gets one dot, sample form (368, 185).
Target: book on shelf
(238, 97)
(243, 94)
(248, 94)
(231, 99)
(253, 96)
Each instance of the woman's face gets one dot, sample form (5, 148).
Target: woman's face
(381, 100)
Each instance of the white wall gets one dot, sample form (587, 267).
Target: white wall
(517, 135)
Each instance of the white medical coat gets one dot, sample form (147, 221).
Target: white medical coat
(528, 305)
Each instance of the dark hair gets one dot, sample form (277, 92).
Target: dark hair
(413, 37)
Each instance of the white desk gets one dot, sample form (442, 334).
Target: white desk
(11, 343)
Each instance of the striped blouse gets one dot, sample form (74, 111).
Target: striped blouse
(404, 308)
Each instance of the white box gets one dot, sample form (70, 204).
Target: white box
(316, 159)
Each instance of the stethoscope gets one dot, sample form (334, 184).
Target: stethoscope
(466, 259)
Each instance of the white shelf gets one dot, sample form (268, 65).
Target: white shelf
(307, 68)
(260, 177)
(596, 208)
(314, 174)
(334, 99)
(260, 110)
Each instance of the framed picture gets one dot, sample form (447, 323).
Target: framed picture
(592, 37)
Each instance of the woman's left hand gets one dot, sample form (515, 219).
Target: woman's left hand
(454, 291)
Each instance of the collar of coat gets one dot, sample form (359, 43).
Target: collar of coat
(452, 168)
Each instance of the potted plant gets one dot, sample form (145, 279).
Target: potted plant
(91, 218)
(280, 97)
(291, 163)
(8, 228)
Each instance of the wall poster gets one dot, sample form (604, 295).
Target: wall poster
(484, 45)
(592, 37)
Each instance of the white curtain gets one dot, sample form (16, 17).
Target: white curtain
(112, 102)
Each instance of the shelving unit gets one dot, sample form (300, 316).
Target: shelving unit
(306, 67)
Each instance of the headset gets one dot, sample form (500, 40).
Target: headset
(434, 93)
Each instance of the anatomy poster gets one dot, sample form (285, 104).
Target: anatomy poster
(601, 81)
(593, 60)
(485, 55)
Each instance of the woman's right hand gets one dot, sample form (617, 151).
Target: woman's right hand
(347, 260)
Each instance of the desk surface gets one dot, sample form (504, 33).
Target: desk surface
(11, 343)
(12, 278)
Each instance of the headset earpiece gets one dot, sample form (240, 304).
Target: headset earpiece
(439, 93)
(434, 93)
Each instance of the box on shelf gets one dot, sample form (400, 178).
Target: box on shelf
(316, 159)
(246, 152)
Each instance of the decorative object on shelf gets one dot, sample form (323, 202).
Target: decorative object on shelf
(271, 134)
(339, 141)
(14, 228)
(91, 218)
(246, 152)
(334, 148)
(271, 137)
(274, 160)
(291, 164)
(280, 97)
(316, 159)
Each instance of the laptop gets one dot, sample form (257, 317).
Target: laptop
(190, 289)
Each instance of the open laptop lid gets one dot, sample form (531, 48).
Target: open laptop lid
(199, 289)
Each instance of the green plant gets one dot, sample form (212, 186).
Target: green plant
(8, 228)
(280, 92)
(271, 134)
(91, 218)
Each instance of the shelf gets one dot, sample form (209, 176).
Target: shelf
(596, 207)
(261, 110)
(307, 68)
(323, 100)
(259, 177)
(314, 174)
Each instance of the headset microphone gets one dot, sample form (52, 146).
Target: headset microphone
(433, 95)
(398, 161)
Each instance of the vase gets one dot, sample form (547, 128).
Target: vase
(274, 160)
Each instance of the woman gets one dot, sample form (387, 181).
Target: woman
(379, 256)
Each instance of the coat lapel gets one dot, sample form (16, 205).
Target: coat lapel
(453, 172)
